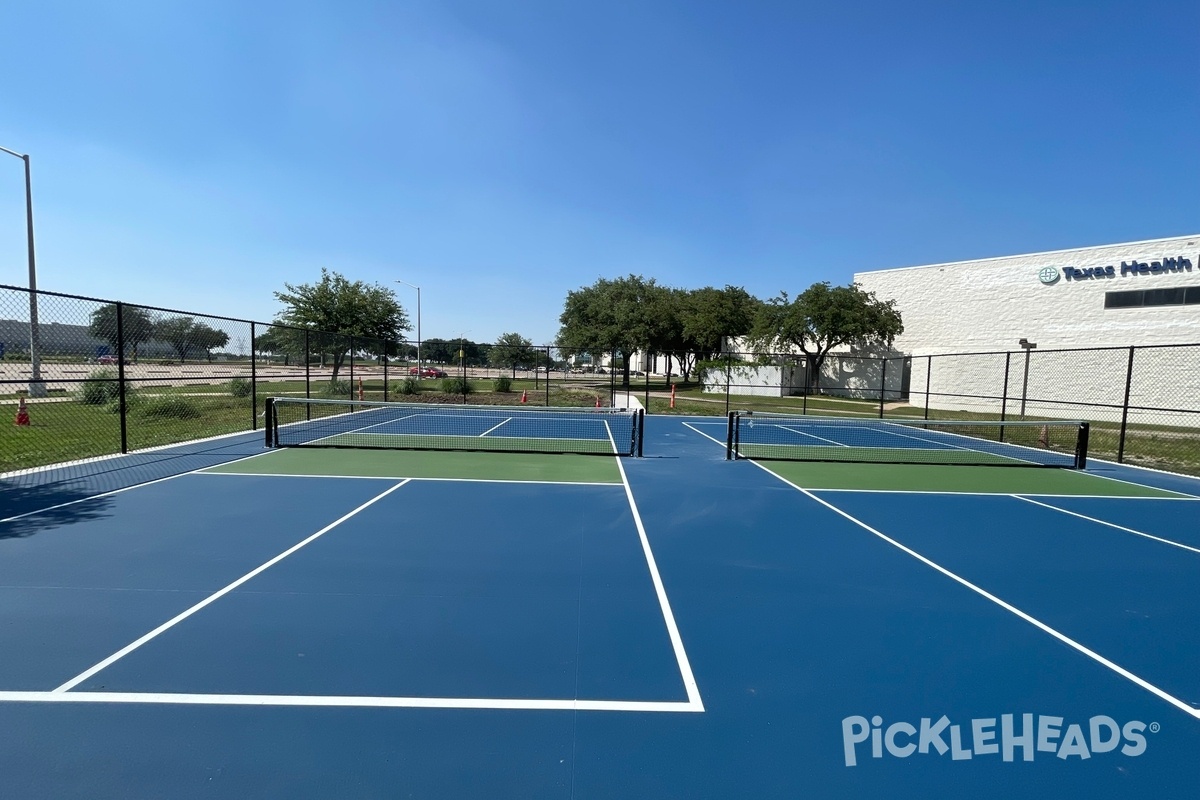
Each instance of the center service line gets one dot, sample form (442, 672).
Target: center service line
(83, 676)
(685, 669)
(1124, 673)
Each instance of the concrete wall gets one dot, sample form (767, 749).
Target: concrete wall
(990, 304)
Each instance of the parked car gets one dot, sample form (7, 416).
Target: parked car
(106, 360)
(428, 372)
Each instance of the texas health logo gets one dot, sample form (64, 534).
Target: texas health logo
(989, 736)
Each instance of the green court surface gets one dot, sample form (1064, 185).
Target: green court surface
(473, 442)
(945, 478)
(426, 464)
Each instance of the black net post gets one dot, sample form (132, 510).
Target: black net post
(730, 423)
(268, 410)
(1125, 408)
(641, 430)
(1081, 444)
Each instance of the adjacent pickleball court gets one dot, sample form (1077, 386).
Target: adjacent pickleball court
(336, 621)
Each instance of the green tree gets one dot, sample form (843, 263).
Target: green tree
(618, 316)
(185, 334)
(136, 327)
(711, 316)
(821, 318)
(511, 350)
(345, 309)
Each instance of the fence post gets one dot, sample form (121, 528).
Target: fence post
(121, 377)
(882, 384)
(728, 378)
(307, 377)
(928, 378)
(547, 376)
(1125, 409)
(1004, 392)
(386, 359)
(253, 382)
(351, 397)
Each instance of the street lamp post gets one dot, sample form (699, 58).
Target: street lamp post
(36, 387)
(1026, 345)
(418, 288)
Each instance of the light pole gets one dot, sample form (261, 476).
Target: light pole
(418, 288)
(36, 387)
(1026, 345)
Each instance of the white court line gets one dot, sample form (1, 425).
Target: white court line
(810, 435)
(685, 668)
(401, 478)
(1181, 498)
(1109, 524)
(348, 701)
(355, 430)
(197, 471)
(489, 430)
(1124, 673)
(702, 433)
(217, 595)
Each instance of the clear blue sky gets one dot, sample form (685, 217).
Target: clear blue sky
(197, 155)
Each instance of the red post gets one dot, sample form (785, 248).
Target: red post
(672, 395)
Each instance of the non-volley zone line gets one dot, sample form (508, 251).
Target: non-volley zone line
(350, 701)
(66, 693)
(1029, 618)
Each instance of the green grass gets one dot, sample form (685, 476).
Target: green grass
(70, 430)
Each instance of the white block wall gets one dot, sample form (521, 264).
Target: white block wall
(990, 304)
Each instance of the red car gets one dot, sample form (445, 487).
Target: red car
(427, 372)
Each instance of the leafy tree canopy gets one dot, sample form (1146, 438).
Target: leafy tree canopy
(618, 316)
(823, 317)
(511, 350)
(185, 334)
(337, 305)
(136, 326)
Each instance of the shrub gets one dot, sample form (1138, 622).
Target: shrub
(168, 407)
(406, 386)
(503, 384)
(100, 387)
(240, 387)
(459, 385)
(336, 389)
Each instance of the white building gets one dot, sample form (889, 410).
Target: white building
(1116, 296)
(1111, 295)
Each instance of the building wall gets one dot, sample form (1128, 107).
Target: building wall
(988, 305)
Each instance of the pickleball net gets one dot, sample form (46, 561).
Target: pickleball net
(1022, 443)
(359, 424)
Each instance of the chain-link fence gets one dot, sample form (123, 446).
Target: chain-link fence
(1143, 402)
(98, 377)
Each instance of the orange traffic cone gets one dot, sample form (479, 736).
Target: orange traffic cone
(22, 413)
(597, 401)
(524, 396)
(672, 395)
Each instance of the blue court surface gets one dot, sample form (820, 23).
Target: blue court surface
(223, 620)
